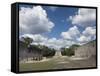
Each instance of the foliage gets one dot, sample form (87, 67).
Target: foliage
(69, 51)
(47, 52)
(33, 48)
(27, 40)
(41, 49)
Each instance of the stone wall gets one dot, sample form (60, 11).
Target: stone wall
(24, 54)
(86, 50)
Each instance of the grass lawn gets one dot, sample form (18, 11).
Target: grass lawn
(37, 66)
(57, 63)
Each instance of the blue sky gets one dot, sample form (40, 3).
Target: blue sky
(53, 26)
(59, 17)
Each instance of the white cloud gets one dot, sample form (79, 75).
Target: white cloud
(84, 17)
(72, 33)
(59, 43)
(84, 39)
(37, 38)
(89, 31)
(34, 20)
(55, 43)
(87, 35)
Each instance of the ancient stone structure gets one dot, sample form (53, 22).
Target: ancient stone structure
(86, 50)
(29, 53)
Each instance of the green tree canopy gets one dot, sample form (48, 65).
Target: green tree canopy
(27, 40)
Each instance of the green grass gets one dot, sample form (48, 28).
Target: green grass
(37, 66)
(55, 64)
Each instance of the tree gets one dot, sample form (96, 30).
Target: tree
(40, 50)
(36, 51)
(69, 51)
(27, 40)
(47, 52)
(63, 51)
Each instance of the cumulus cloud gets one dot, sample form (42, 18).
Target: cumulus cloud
(87, 35)
(84, 39)
(58, 43)
(34, 20)
(89, 31)
(71, 34)
(55, 43)
(37, 38)
(78, 37)
(84, 17)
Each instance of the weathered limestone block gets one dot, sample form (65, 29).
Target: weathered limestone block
(86, 50)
